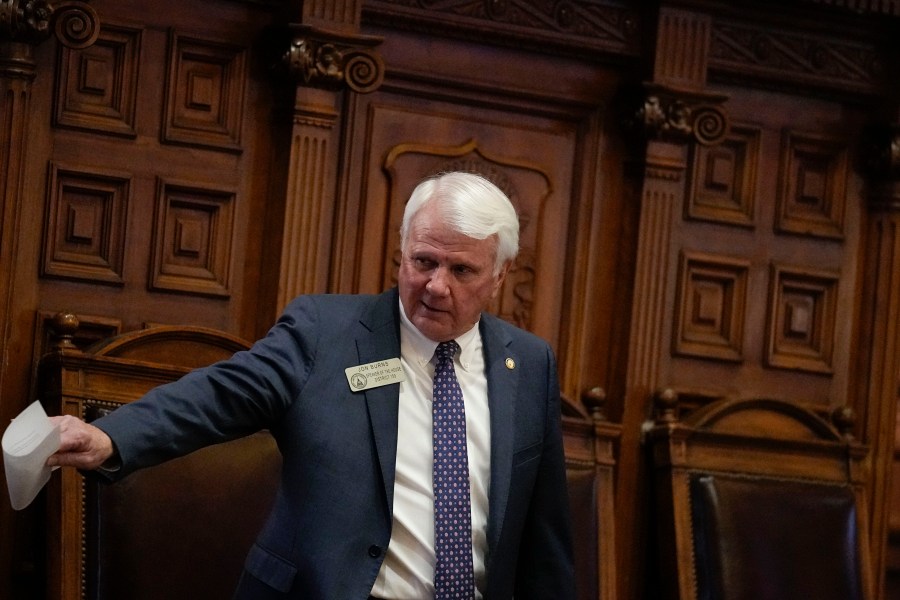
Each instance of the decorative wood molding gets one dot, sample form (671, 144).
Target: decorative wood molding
(205, 100)
(812, 185)
(580, 27)
(802, 312)
(682, 46)
(329, 60)
(75, 24)
(710, 309)
(767, 53)
(97, 87)
(86, 222)
(192, 239)
(679, 115)
(723, 187)
(874, 384)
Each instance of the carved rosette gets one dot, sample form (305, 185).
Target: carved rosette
(74, 23)
(678, 115)
(318, 58)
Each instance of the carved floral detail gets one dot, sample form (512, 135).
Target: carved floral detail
(321, 59)
(74, 23)
(680, 115)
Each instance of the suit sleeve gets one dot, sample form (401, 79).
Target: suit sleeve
(546, 566)
(224, 401)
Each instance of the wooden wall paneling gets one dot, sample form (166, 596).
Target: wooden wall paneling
(86, 222)
(98, 85)
(601, 243)
(877, 376)
(20, 34)
(782, 194)
(653, 291)
(327, 59)
(204, 101)
(95, 149)
(675, 111)
(16, 73)
(199, 155)
(192, 238)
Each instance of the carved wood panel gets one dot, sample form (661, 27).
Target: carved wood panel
(768, 243)
(158, 175)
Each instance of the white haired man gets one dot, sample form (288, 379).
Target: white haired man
(373, 501)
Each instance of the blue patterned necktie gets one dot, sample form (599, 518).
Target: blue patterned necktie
(453, 572)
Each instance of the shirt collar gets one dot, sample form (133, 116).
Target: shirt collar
(422, 348)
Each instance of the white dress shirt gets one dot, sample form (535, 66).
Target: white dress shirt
(407, 572)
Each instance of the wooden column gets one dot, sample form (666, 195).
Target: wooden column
(23, 25)
(878, 369)
(672, 111)
(327, 58)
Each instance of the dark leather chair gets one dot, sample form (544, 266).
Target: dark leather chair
(180, 530)
(759, 500)
(590, 442)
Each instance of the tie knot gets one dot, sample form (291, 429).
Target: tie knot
(446, 350)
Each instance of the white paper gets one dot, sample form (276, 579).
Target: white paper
(27, 444)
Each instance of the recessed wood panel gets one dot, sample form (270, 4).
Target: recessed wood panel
(205, 94)
(86, 219)
(812, 186)
(192, 239)
(97, 87)
(723, 179)
(802, 311)
(710, 308)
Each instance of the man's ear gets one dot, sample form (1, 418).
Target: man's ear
(498, 282)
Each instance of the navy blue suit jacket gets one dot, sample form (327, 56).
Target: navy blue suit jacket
(331, 521)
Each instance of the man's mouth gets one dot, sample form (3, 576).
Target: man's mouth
(431, 308)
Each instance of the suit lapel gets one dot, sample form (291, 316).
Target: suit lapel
(380, 341)
(502, 384)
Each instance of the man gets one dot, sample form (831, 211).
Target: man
(355, 516)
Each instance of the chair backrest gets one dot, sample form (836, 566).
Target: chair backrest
(759, 500)
(179, 530)
(590, 442)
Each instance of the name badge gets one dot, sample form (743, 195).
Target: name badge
(375, 374)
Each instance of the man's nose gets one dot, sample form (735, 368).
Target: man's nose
(439, 283)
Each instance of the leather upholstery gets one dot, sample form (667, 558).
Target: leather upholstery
(765, 539)
(181, 530)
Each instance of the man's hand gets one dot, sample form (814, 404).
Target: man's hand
(81, 445)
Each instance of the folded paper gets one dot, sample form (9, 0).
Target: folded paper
(27, 443)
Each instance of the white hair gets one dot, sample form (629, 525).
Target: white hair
(472, 206)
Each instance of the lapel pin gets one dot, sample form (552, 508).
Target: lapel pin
(510, 364)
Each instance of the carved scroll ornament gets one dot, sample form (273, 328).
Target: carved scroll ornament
(75, 24)
(675, 115)
(319, 58)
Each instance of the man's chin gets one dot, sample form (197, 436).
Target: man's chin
(433, 326)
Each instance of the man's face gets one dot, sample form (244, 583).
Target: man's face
(446, 278)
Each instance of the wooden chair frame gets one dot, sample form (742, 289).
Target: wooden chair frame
(109, 374)
(755, 438)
